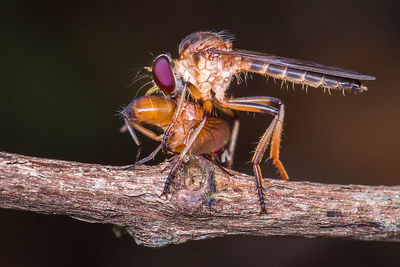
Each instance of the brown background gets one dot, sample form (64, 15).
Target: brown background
(64, 72)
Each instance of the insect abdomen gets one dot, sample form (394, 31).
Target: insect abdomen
(298, 76)
(155, 110)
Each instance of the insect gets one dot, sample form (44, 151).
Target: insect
(159, 111)
(206, 66)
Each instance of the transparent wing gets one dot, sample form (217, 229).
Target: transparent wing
(295, 64)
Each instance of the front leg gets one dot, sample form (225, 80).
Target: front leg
(168, 132)
(183, 154)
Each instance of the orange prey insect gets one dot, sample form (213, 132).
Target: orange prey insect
(206, 66)
(158, 111)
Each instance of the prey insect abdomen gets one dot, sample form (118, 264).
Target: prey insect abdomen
(299, 76)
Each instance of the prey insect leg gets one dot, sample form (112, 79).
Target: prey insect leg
(150, 134)
(146, 159)
(143, 130)
(135, 139)
(227, 156)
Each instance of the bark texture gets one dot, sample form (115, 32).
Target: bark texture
(205, 202)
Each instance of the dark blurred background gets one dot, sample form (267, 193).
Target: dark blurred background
(65, 68)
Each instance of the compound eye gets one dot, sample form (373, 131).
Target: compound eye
(163, 75)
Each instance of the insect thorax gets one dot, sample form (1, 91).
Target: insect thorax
(206, 74)
(202, 67)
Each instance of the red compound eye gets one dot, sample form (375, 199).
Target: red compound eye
(163, 75)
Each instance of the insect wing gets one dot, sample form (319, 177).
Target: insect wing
(295, 64)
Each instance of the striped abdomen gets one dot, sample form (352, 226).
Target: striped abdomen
(299, 76)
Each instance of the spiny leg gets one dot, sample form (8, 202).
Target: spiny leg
(167, 133)
(262, 105)
(276, 136)
(171, 175)
(176, 165)
(275, 144)
(258, 154)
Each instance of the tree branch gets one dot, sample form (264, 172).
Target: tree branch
(198, 208)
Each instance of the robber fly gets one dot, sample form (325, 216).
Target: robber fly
(158, 111)
(206, 66)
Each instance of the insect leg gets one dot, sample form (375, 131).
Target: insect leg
(262, 105)
(146, 159)
(228, 157)
(178, 111)
(150, 134)
(183, 154)
(135, 139)
(143, 130)
(276, 136)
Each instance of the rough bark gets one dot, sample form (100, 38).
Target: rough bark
(197, 208)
